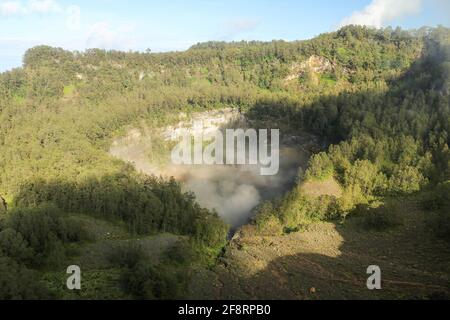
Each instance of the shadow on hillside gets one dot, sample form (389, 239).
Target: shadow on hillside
(413, 265)
(334, 117)
(146, 204)
(330, 262)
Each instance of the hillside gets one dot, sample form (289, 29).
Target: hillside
(377, 99)
(329, 261)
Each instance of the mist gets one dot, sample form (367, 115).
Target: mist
(232, 190)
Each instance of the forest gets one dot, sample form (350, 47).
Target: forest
(377, 98)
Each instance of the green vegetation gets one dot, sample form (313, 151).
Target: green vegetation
(3, 205)
(69, 90)
(382, 218)
(388, 138)
(381, 106)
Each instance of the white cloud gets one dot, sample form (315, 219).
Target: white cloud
(10, 7)
(14, 7)
(43, 6)
(234, 28)
(104, 36)
(242, 25)
(73, 21)
(381, 12)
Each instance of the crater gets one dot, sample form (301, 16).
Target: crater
(232, 190)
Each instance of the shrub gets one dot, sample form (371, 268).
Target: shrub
(40, 226)
(152, 283)
(293, 209)
(267, 223)
(438, 199)
(19, 283)
(442, 226)
(320, 167)
(45, 231)
(181, 253)
(381, 219)
(323, 208)
(406, 180)
(210, 230)
(127, 255)
(13, 245)
(141, 279)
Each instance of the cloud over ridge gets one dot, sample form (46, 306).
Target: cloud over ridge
(381, 12)
(13, 7)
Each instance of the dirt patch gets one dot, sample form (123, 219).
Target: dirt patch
(316, 189)
(332, 259)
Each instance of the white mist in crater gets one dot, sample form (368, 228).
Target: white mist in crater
(234, 191)
(232, 200)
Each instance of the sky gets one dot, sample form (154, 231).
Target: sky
(175, 25)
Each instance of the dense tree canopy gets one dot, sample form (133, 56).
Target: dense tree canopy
(379, 99)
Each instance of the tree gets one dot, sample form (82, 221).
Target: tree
(406, 179)
(20, 283)
(267, 222)
(320, 167)
(13, 245)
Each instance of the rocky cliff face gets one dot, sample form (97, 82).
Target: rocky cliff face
(232, 190)
(136, 146)
(315, 64)
(203, 123)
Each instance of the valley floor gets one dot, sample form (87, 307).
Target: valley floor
(329, 261)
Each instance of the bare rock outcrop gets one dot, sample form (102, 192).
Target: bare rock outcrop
(315, 64)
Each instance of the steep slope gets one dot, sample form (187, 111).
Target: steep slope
(330, 260)
(378, 100)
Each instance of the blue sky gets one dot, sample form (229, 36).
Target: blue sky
(177, 24)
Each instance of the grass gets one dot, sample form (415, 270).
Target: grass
(69, 91)
(323, 187)
(103, 260)
(98, 229)
(328, 80)
(442, 226)
(19, 99)
(333, 259)
(95, 285)
(381, 219)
